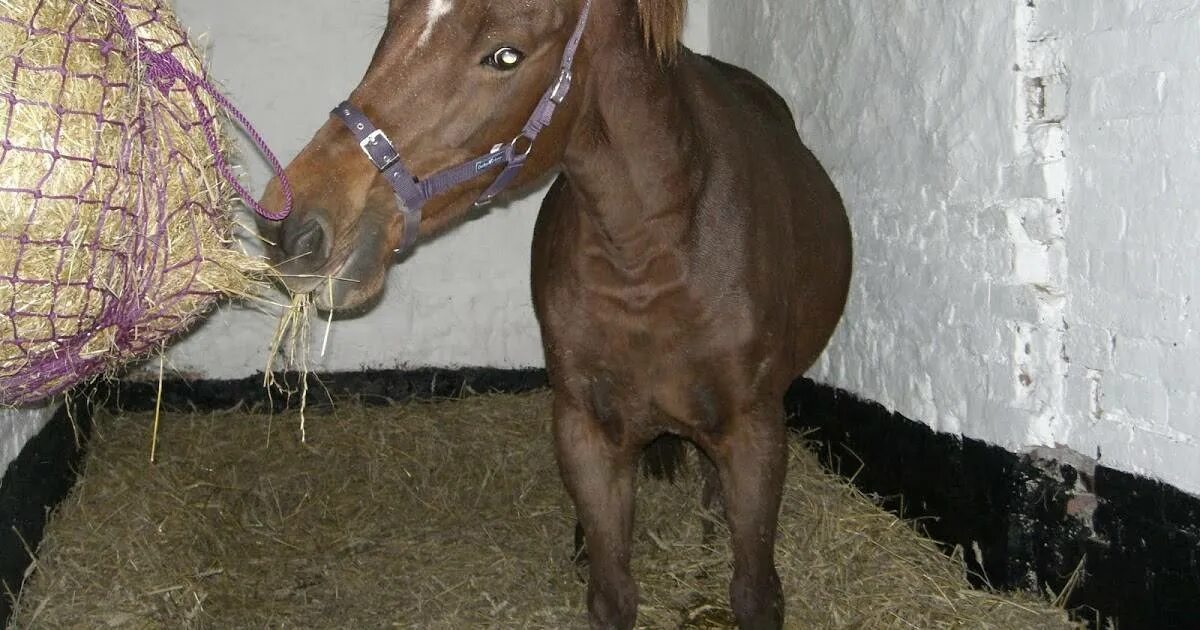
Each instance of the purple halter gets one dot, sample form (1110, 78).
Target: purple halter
(412, 194)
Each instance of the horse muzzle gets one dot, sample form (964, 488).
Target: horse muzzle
(309, 259)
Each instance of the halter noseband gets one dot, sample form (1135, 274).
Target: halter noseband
(412, 194)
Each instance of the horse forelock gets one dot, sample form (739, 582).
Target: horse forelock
(662, 26)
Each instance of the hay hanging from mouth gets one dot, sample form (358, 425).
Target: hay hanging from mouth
(291, 347)
(115, 224)
(290, 350)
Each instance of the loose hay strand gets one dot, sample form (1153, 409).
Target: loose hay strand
(157, 405)
(290, 346)
(328, 321)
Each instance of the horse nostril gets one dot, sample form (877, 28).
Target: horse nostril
(307, 241)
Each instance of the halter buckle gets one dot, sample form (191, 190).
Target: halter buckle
(373, 139)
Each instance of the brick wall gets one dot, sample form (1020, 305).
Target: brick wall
(1019, 179)
(1132, 126)
(911, 109)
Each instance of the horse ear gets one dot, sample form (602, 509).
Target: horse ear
(662, 25)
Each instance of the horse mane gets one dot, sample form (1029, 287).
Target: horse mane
(662, 25)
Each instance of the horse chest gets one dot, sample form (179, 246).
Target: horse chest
(665, 321)
(657, 363)
(634, 341)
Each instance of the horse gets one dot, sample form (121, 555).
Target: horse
(690, 260)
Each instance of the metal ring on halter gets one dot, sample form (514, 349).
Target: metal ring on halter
(513, 146)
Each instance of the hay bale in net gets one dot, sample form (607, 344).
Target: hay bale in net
(115, 207)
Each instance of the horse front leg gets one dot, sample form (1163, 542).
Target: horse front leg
(751, 459)
(599, 476)
(711, 502)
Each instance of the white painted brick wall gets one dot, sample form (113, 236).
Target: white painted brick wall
(1133, 129)
(910, 106)
(1022, 179)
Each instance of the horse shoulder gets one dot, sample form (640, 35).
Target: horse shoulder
(749, 86)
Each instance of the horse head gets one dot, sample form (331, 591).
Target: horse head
(450, 81)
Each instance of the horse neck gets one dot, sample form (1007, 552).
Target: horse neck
(632, 158)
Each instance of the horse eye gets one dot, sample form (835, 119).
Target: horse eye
(504, 58)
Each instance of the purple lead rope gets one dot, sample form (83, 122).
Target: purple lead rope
(163, 70)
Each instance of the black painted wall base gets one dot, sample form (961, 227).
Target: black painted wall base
(1023, 522)
(1033, 521)
(34, 484)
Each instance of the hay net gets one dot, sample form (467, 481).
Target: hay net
(115, 196)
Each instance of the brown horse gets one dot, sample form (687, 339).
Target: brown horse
(691, 259)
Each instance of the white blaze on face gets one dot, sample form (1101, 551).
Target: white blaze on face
(437, 9)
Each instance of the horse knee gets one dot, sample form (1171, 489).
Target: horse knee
(757, 601)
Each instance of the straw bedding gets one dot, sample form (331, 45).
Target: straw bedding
(445, 515)
(114, 221)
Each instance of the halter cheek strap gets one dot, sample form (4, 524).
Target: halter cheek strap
(383, 155)
(412, 194)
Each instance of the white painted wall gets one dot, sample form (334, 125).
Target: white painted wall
(462, 299)
(910, 107)
(17, 427)
(1131, 99)
(1022, 183)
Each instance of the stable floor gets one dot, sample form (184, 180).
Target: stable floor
(441, 515)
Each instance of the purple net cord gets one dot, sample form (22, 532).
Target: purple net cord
(60, 327)
(163, 70)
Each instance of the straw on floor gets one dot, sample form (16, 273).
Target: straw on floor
(445, 515)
